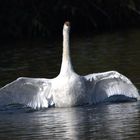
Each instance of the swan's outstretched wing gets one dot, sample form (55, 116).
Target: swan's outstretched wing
(110, 86)
(32, 92)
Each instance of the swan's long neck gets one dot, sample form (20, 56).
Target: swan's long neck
(66, 65)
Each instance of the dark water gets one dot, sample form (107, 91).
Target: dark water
(116, 51)
(114, 121)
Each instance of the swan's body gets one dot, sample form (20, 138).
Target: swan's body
(68, 88)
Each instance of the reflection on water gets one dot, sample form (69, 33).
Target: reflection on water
(117, 51)
(116, 121)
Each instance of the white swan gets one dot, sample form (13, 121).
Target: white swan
(68, 88)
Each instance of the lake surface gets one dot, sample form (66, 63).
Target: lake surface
(113, 121)
(111, 51)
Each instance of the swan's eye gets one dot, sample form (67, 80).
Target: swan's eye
(67, 23)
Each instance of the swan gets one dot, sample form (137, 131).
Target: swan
(68, 88)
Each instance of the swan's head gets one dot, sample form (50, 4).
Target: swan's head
(66, 27)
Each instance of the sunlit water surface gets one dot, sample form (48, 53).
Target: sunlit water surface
(113, 51)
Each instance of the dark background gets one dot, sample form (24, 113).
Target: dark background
(29, 19)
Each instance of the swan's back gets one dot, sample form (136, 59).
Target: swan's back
(69, 90)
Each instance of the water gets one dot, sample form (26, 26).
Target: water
(116, 121)
(113, 51)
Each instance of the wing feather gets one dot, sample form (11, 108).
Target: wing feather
(110, 86)
(32, 92)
